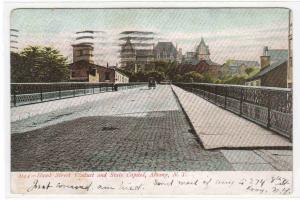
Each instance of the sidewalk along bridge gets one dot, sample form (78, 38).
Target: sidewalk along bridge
(267, 106)
(29, 93)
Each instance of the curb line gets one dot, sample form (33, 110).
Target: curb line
(189, 120)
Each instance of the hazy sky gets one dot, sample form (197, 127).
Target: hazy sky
(230, 33)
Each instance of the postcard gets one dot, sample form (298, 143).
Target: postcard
(151, 101)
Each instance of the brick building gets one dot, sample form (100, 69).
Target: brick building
(84, 71)
(83, 68)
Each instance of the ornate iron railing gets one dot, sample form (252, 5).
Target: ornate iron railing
(29, 93)
(267, 106)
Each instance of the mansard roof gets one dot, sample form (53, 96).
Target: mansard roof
(165, 46)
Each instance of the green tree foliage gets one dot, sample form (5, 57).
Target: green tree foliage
(167, 68)
(177, 78)
(160, 70)
(39, 64)
(18, 73)
(157, 75)
(193, 77)
(207, 78)
(236, 80)
(249, 70)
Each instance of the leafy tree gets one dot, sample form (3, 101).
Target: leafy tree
(236, 80)
(252, 71)
(249, 70)
(207, 78)
(18, 73)
(158, 76)
(218, 81)
(177, 78)
(193, 76)
(39, 64)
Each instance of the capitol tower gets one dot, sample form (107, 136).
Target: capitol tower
(202, 51)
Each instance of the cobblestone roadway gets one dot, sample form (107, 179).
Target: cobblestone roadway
(158, 140)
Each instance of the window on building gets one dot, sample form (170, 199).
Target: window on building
(93, 72)
(79, 52)
(106, 75)
(73, 74)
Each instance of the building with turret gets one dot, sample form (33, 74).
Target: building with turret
(199, 61)
(83, 51)
(83, 68)
(202, 51)
(127, 54)
(133, 58)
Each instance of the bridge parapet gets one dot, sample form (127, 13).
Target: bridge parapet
(268, 106)
(29, 93)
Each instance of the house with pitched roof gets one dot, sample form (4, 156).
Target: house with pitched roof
(273, 72)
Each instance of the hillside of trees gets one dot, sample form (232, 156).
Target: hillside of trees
(39, 64)
(170, 71)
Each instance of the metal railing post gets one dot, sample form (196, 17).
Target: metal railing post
(74, 91)
(241, 101)
(215, 91)
(41, 91)
(269, 109)
(59, 92)
(226, 93)
(14, 96)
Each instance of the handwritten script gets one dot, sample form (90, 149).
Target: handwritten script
(277, 183)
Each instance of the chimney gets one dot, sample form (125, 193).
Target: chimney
(265, 59)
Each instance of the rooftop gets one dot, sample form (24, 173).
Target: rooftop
(168, 46)
(277, 55)
(268, 69)
(248, 63)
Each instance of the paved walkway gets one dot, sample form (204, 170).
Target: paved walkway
(131, 130)
(218, 128)
(133, 102)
